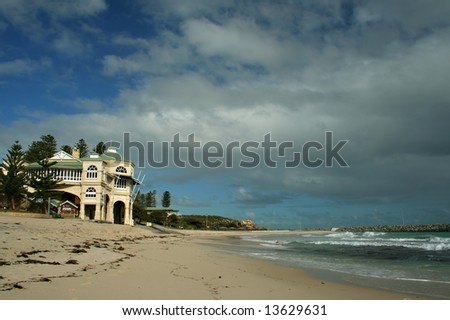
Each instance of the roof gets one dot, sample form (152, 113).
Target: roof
(125, 176)
(66, 161)
(58, 165)
(62, 155)
(54, 202)
(107, 156)
(69, 202)
(160, 209)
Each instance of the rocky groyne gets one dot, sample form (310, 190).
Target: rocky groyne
(398, 228)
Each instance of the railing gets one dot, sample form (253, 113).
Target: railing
(69, 175)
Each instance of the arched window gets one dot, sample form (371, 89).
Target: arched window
(121, 169)
(91, 172)
(91, 192)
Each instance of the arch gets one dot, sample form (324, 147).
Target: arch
(91, 172)
(121, 169)
(119, 212)
(91, 192)
(72, 197)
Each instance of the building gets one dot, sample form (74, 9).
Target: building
(102, 186)
(166, 211)
(67, 209)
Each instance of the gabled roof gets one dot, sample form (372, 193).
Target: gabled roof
(69, 202)
(63, 161)
(62, 155)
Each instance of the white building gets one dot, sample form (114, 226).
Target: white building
(100, 185)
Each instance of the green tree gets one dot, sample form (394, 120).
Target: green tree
(166, 199)
(158, 217)
(150, 199)
(13, 180)
(45, 184)
(139, 214)
(67, 148)
(172, 220)
(82, 146)
(40, 150)
(140, 198)
(100, 148)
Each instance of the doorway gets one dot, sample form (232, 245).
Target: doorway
(119, 212)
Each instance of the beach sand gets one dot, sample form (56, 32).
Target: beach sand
(74, 259)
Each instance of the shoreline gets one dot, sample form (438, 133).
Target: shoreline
(122, 262)
(413, 289)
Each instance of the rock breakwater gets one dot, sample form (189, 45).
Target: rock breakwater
(398, 228)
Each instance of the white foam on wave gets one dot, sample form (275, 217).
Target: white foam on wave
(267, 243)
(406, 243)
(274, 245)
(370, 234)
(341, 235)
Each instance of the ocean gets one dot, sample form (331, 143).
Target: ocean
(416, 263)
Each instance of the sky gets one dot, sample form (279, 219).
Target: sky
(375, 74)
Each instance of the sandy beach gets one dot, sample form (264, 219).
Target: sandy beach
(74, 259)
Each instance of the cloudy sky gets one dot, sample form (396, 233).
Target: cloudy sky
(375, 73)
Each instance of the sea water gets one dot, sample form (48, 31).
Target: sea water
(407, 258)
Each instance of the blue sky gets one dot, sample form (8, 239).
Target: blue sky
(374, 73)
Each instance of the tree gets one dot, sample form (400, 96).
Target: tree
(140, 198)
(139, 213)
(67, 148)
(172, 220)
(45, 184)
(100, 148)
(13, 180)
(150, 199)
(166, 199)
(82, 146)
(158, 217)
(43, 149)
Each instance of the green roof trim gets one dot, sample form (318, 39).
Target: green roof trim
(156, 209)
(58, 165)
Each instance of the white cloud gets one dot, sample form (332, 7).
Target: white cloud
(26, 16)
(17, 67)
(240, 41)
(412, 16)
(163, 56)
(137, 63)
(74, 8)
(92, 105)
(250, 215)
(17, 10)
(242, 194)
(186, 201)
(70, 44)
